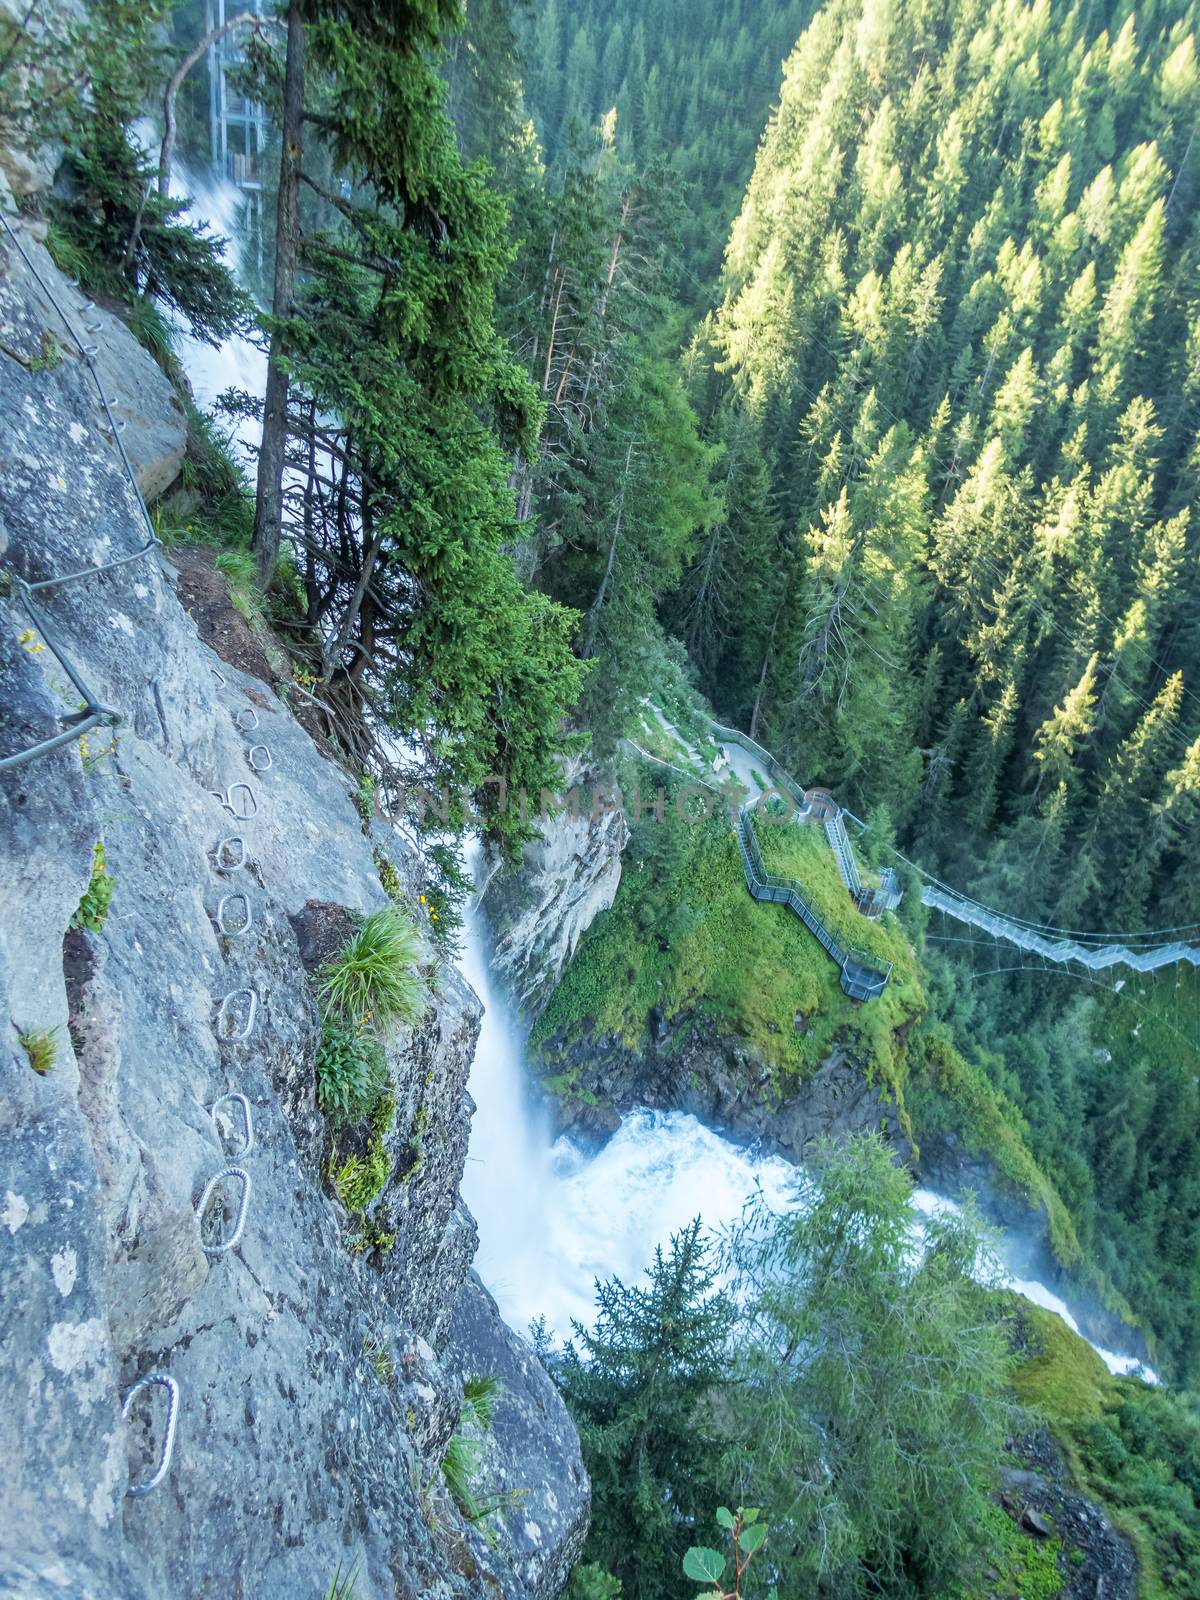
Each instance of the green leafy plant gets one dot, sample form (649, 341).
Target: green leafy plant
(590, 1581)
(92, 912)
(49, 354)
(364, 796)
(351, 1072)
(360, 1178)
(747, 1536)
(371, 979)
(41, 1047)
(372, 1238)
(382, 1115)
(389, 878)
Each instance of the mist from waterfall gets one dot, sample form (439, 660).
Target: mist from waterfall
(241, 361)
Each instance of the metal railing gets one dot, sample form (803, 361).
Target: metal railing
(863, 976)
(1095, 957)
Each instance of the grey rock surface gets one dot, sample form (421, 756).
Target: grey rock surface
(144, 405)
(567, 877)
(530, 1462)
(315, 1406)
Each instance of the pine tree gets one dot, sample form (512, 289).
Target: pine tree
(639, 1384)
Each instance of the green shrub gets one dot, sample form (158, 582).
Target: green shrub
(371, 979)
(41, 1048)
(589, 1581)
(360, 1179)
(92, 912)
(351, 1072)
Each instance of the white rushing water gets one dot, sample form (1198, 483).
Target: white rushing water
(240, 362)
(553, 1217)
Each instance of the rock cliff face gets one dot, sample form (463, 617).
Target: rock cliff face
(568, 876)
(317, 1390)
(685, 1065)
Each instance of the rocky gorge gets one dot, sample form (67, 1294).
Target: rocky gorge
(318, 1387)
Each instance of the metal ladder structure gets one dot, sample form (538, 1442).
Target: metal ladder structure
(237, 126)
(839, 843)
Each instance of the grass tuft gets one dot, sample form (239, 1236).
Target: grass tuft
(41, 1047)
(371, 979)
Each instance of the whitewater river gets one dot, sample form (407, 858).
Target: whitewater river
(553, 1217)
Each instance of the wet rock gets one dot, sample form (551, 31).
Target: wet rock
(567, 877)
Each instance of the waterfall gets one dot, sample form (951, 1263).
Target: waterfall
(241, 361)
(554, 1217)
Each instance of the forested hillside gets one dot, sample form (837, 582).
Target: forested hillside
(955, 366)
(687, 83)
(961, 321)
(916, 497)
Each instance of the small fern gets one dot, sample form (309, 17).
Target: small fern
(92, 912)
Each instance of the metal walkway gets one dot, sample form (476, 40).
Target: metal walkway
(863, 977)
(1097, 957)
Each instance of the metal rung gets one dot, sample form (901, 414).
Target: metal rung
(247, 807)
(222, 917)
(151, 1381)
(259, 757)
(206, 1195)
(226, 1011)
(234, 1098)
(230, 854)
(246, 711)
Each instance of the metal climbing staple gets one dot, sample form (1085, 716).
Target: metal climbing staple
(154, 1380)
(206, 1195)
(234, 1098)
(245, 999)
(245, 808)
(223, 925)
(246, 727)
(219, 676)
(259, 757)
(230, 854)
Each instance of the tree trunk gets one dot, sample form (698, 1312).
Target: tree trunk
(267, 508)
(598, 603)
(762, 677)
